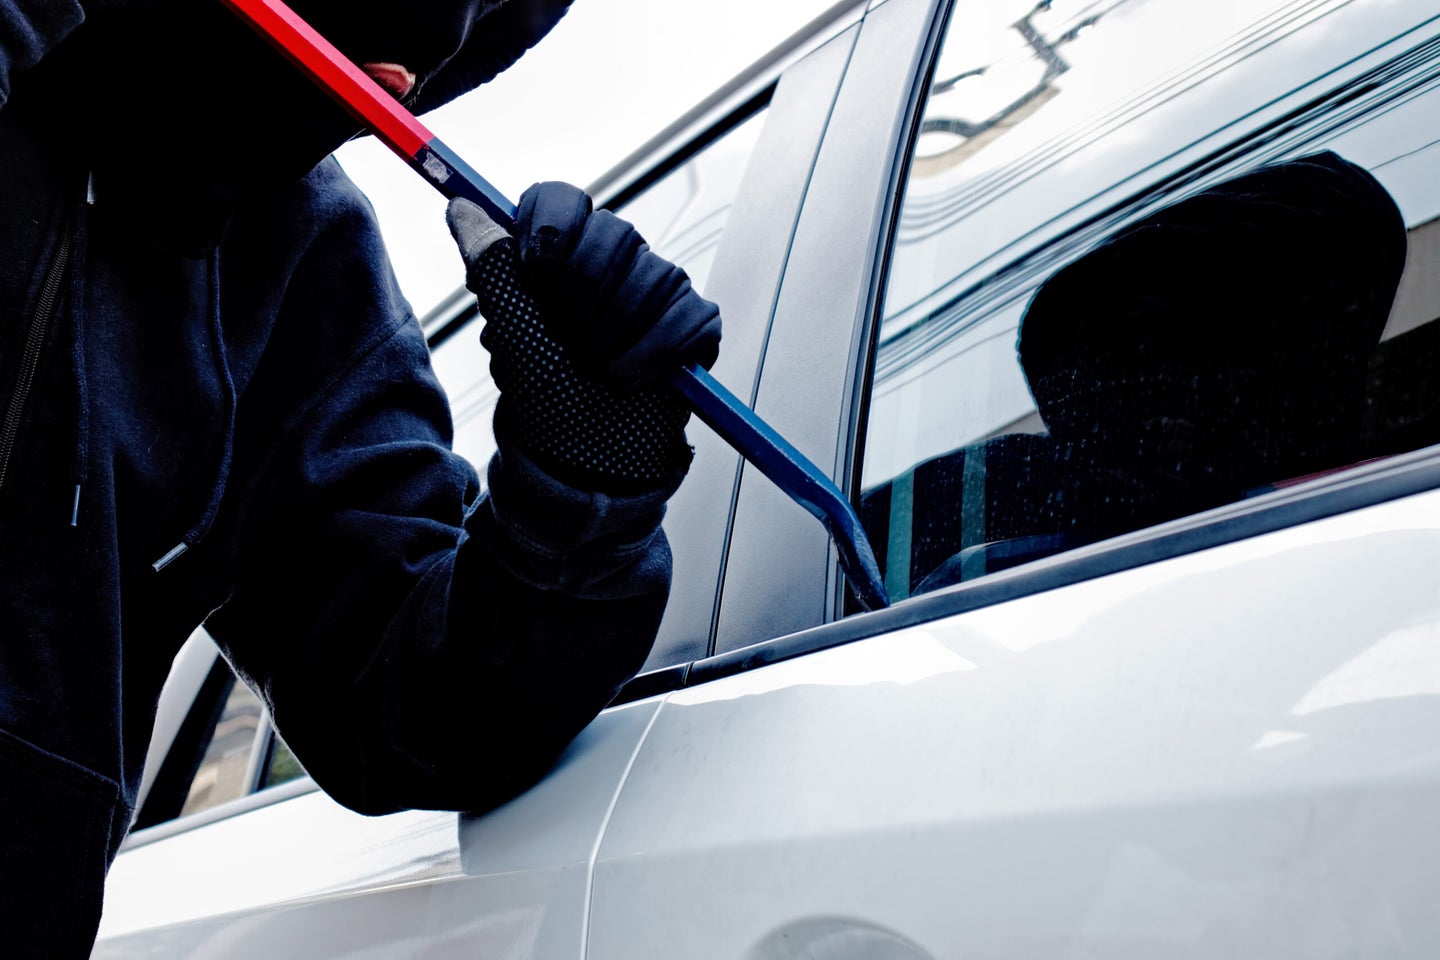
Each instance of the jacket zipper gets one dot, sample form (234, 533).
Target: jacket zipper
(30, 356)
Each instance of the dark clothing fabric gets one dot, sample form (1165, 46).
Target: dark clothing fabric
(588, 267)
(576, 427)
(263, 416)
(188, 116)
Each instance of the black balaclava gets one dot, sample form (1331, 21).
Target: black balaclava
(186, 115)
(1222, 342)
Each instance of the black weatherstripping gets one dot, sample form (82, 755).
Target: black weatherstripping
(653, 683)
(1366, 486)
(468, 311)
(660, 171)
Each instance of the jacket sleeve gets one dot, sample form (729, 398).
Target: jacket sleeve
(418, 643)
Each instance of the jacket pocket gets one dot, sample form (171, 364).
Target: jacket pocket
(55, 825)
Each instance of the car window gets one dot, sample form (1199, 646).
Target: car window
(281, 766)
(1116, 294)
(225, 771)
(215, 753)
(224, 747)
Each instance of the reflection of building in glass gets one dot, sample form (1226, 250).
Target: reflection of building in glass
(974, 134)
(224, 773)
(1163, 99)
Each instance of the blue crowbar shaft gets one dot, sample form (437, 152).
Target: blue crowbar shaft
(716, 406)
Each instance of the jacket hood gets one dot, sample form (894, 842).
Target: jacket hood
(186, 115)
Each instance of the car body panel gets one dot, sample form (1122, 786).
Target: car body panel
(1125, 767)
(514, 882)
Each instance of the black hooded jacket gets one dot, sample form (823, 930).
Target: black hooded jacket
(206, 366)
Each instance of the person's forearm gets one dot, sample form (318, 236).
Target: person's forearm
(551, 605)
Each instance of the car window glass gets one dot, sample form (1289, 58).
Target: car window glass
(225, 771)
(682, 216)
(282, 765)
(1121, 177)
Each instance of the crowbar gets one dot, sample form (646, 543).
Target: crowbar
(717, 407)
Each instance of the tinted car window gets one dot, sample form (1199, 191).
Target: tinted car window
(1115, 298)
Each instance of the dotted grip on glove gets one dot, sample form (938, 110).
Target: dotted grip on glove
(580, 431)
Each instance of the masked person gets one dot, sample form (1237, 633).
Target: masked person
(219, 409)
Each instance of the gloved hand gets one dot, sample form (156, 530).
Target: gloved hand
(586, 425)
(626, 313)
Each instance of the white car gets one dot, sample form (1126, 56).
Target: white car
(1217, 735)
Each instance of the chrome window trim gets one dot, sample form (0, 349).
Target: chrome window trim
(221, 811)
(745, 86)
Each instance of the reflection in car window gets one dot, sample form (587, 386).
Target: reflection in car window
(224, 773)
(1114, 298)
(282, 766)
(682, 216)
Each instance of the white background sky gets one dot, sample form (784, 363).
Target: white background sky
(611, 75)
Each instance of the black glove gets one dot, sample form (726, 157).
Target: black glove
(625, 312)
(574, 423)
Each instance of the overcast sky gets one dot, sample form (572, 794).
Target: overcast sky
(612, 74)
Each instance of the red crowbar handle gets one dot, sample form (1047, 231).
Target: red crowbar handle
(722, 411)
(369, 103)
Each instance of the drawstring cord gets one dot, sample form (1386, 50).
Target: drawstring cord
(227, 384)
(79, 465)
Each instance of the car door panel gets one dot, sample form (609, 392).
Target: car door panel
(1122, 767)
(306, 877)
(1209, 737)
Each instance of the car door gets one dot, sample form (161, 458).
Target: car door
(1205, 736)
(237, 853)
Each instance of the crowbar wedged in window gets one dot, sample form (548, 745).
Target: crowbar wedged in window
(717, 407)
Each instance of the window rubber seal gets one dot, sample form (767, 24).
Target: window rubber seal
(1392, 478)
